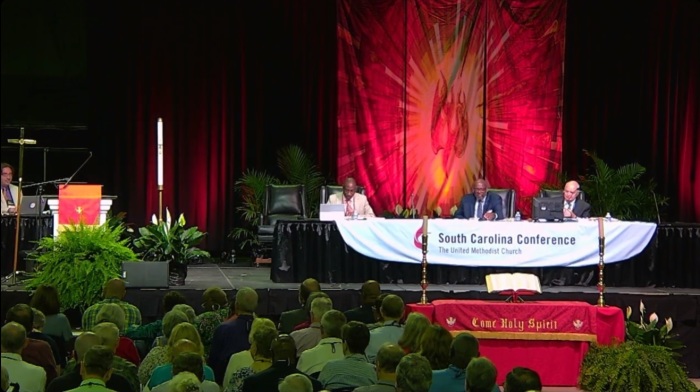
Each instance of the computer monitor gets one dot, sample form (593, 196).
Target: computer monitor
(548, 209)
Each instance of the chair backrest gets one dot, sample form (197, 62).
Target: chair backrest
(508, 198)
(559, 193)
(328, 190)
(284, 202)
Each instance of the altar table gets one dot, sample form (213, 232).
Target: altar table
(550, 337)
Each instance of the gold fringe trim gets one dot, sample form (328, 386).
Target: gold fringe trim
(574, 337)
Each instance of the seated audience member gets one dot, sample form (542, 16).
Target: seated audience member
(145, 335)
(244, 358)
(292, 318)
(113, 313)
(191, 343)
(188, 362)
(296, 383)
(46, 299)
(113, 292)
(481, 375)
(185, 382)
(96, 369)
(71, 378)
(309, 337)
(4, 379)
(109, 335)
(481, 204)
(307, 306)
(188, 311)
(13, 338)
(330, 346)
(262, 358)
(232, 336)
(355, 203)
(388, 359)
(216, 311)
(37, 351)
(58, 350)
(522, 379)
(159, 355)
(284, 356)
(416, 323)
(376, 309)
(413, 374)
(435, 346)
(464, 348)
(391, 331)
(353, 370)
(365, 312)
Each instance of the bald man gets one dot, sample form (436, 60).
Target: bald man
(365, 313)
(355, 203)
(574, 208)
(113, 292)
(481, 204)
(292, 318)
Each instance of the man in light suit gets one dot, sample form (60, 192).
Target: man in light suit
(10, 193)
(481, 204)
(354, 202)
(574, 208)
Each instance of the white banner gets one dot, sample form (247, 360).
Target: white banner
(496, 244)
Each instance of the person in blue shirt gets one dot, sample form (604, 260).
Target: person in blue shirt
(463, 349)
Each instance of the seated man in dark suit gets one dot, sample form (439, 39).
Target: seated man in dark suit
(481, 204)
(284, 359)
(292, 318)
(365, 313)
(574, 208)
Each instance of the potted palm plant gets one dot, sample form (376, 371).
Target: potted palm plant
(171, 242)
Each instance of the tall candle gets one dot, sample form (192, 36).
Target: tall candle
(601, 233)
(425, 225)
(160, 151)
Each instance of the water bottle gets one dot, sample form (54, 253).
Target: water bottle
(517, 216)
(355, 215)
(608, 217)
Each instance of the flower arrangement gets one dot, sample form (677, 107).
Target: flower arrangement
(400, 212)
(170, 241)
(650, 333)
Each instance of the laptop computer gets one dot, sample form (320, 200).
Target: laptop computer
(33, 205)
(331, 212)
(145, 274)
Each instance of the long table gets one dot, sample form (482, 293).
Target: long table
(549, 337)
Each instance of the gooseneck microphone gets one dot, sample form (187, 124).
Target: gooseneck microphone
(76, 172)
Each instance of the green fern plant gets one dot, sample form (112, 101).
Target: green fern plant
(298, 168)
(79, 261)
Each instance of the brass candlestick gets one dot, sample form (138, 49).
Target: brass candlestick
(601, 266)
(424, 270)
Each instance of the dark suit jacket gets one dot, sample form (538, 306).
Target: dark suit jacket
(582, 209)
(268, 380)
(72, 380)
(364, 314)
(292, 318)
(492, 202)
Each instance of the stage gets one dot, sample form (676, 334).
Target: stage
(683, 305)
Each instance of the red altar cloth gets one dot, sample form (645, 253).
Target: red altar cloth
(549, 337)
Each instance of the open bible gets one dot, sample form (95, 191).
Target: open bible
(513, 285)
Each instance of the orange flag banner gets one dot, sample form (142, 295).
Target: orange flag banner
(79, 204)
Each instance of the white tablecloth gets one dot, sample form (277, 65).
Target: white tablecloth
(496, 244)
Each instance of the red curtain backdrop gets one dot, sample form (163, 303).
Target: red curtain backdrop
(413, 78)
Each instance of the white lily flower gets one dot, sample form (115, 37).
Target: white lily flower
(669, 324)
(154, 220)
(398, 209)
(653, 318)
(438, 211)
(629, 312)
(641, 307)
(453, 210)
(181, 220)
(168, 218)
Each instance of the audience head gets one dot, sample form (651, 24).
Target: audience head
(376, 308)
(172, 319)
(319, 307)
(45, 298)
(187, 310)
(4, 379)
(464, 348)
(571, 191)
(112, 313)
(481, 375)
(189, 362)
(259, 322)
(23, 315)
(332, 324)
(312, 297)
(172, 298)
(246, 301)
(296, 383)
(416, 323)
(185, 331)
(392, 308)
(39, 320)
(349, 188)
(388, 358)
(108, 333)
(413, 374)
(284, 350)
(84, 342)
(183, 346)
(213, 299)
(355, 338)
(522, 379)
(369, 292)
(262, 342)
(185, 382)
(307, 287)
(13, 337)
(114, 288)
(480, 189)
(435, 346)
(97, 363)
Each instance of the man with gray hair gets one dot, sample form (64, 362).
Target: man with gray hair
(309, 337)
(388, 359)
(109, 335)
(391, 331)
(296, 383)
(13, 338)
(330, 346)
(231, 336)
(413, 374)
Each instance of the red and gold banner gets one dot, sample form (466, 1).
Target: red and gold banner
(79, 204)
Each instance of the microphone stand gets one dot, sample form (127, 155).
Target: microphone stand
(69, 179)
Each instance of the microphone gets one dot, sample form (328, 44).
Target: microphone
(656, 204)
(76, 172)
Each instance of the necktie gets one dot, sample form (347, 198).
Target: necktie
(348, 207)
(568, 205)
(8, 195)
(480, 209)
